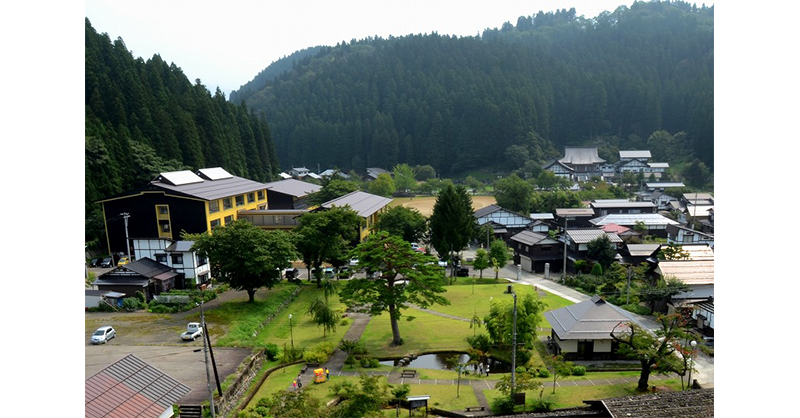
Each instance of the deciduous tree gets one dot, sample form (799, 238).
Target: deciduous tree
(407, 223)
(326, 236)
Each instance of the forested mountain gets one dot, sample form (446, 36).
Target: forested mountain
(268, 74)
(145, 117)
(459, 103)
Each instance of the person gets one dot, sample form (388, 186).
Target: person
(299, 382)
(294, 383)
(487, 370)
(327, 374)
(480, 369)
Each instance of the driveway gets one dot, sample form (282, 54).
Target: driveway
(155, 339)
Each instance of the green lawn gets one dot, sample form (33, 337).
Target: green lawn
(423, 334)
(243, 319)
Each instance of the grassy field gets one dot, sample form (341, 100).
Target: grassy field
(422, 334)
(424, 204)
(243, 320)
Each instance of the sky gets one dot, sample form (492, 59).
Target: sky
(227, 46)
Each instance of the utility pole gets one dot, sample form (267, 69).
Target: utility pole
(205, 354)
(510, 291)
(125, 216)
(628, 297)
(564, 270)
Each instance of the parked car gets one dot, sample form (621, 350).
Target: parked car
(442, 263)
(106, 262)
(354, 262)
(193, 330)
(95, 262)
(462, 272)
(328, 273)
(103, 334)
(291, 273)
(123, 260)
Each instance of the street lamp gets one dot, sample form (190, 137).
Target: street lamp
(691, 361)
(291, 335)
(510, 291)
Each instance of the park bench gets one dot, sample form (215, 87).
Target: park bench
(408, 373)
(474, 408)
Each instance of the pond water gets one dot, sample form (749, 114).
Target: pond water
(441, 361)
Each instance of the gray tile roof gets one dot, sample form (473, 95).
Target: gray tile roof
(365, 204)
(213, 189)
(588, 320)
(293, 187)
(697, 403)
(643, 250)
(574, 212)
(630, 219)
(180, 247)
(486, 210)
(131, 388)
(532, 238)
(146, 267)
(621, 204)
(634, 154)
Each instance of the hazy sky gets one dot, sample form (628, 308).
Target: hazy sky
(227, 44)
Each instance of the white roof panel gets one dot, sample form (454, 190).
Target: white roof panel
(178, 178)
(216, 173)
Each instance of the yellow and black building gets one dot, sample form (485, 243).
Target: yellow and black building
(178, 201)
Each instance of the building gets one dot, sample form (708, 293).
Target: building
(290, 194)
(143, 275)
(367, 205)
(374, 172)
(583, 331)
(177, 201)
(655, 223)
(177, 255)
(603, 207)
(504, 222)
(132, 388)
(534, 251)
(679, 234)
(578, 244)
(582, 163)
(574, 217)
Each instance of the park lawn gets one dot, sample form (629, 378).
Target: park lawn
(446, 397)
(243, 319)
(573, 396)
(464, 303)
(279, 380)
(423, 334)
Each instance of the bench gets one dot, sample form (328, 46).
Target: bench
(309, 365)
(474, 408)
(408, 373)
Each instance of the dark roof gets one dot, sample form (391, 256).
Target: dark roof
(293, 187)
(131, 388)
(697, 403)
(532, 238)
(486, 210)
(592, 319)
(146, 267)
(213, 189)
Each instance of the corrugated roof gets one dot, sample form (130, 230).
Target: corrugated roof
(686, 403)
(581, 155)
(486, 210)
(621, 204)
(592, 319)
(131, 388)
(180, 247)
(146, 267)
(691, 272)
(658, 165)
(631, 219)
(574, 212)
(583, 236)
(664, 185)
(532, 238)
(365, 204)
(541, 216)
(293, 187)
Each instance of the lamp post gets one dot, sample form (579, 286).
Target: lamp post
(291, 335)
(691, 362)
(510, 291)
(205, 354)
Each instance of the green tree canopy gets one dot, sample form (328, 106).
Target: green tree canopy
(404, 177)
(500, 320)
(481, 261)
(403, 276)
(332, 188)
(513, 193)
(326, 236)
(602, 250)
(407, 223)
(244, 255)
(499, 255)
(452, 222)
(383, 185)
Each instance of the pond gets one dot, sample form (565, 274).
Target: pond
(441, 361)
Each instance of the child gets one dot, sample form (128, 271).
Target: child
(294, 383)
(327, 374)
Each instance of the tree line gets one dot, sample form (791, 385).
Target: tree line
(145, 117)
(461, 103)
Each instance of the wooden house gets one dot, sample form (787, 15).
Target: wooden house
(533, 250)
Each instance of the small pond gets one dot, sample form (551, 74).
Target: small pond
(441, 361)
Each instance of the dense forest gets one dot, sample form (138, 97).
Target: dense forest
(145, 117)
(466, 103)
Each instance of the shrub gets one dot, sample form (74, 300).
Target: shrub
(521, 369)
(581, 266)
(544, 373)
(597, 270)
(369, 362)
(315, 357)
(503, 405)
(344, 322)
(579, 370)
(637, 309)
(350, 360)
(131, 304)
(271, 351)
(541, 405)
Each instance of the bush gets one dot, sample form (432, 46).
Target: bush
(369, 362)
(503, 405)
(597, 270)
(344, 322)
(578, 370)
(350, 360)
(271, 350)
(544, 373)
(132, 304)
(637, 309)
(541, 405)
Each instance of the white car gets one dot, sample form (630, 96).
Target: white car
(193, 330)
(442, 263)
(103, 334)
(354, 262)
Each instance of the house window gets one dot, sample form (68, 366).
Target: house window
(202, 278)
(251, 197)
(213, 206)
(260, 195)
(240, 200)
(163, 210)
(201, 261)
(161, 258)
(177, 258)
(228, 219)
(227, 203)
(215, 223)
(162, 218)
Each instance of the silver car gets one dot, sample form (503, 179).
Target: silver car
(103, 334)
